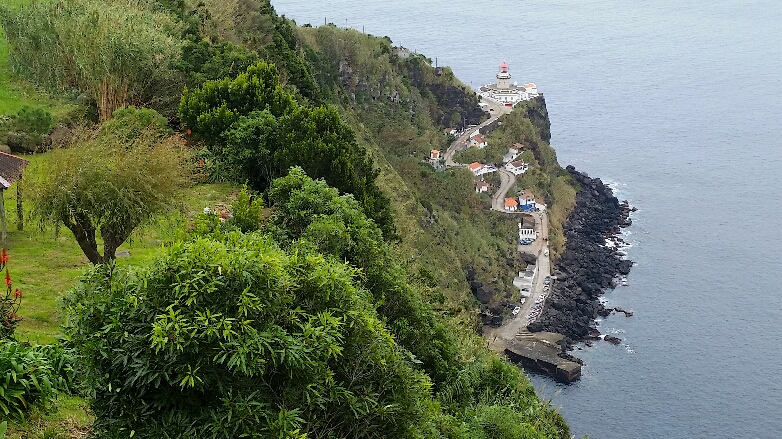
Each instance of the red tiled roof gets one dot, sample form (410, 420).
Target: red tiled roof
(475, 166)
(11, 168)
(511, 202)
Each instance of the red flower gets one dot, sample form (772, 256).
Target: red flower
(17, 293)
(7, 279)
(4, 257)
(201, 162)
(189, 132)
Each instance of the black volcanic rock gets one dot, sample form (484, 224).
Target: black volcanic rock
(587, 266)
(613, 340)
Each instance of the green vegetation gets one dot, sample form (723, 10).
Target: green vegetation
(106, 184)
(65, 45)
(255, 126)
(301, 319)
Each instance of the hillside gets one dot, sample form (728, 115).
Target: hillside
(391, 233)
(400, 105)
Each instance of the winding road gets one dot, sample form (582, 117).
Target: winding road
(514, 326)
(496, 110)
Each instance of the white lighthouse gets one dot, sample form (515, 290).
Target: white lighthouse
(503, 77)
(505, 93)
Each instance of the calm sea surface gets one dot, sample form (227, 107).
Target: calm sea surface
(679, 106)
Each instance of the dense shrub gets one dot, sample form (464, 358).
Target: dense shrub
(254, 124)
(27, 379)
(33, 120)
(239, 339)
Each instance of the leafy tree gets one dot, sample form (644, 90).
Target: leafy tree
(203, 61)
(315, 214)
(211, 109)
(240, 339)
(105, 183)
(255, 124)
(119, 53)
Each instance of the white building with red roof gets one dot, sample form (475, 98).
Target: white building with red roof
(511, 205)
(478, 140)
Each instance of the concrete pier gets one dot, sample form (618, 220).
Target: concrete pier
(540, 355)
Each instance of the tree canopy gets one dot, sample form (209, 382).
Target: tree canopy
(110, 183)
(257, 126)
(239, 339)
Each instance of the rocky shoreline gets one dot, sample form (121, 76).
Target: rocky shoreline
(587, 266)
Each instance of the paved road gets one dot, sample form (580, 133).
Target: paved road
(498, 199)
(515, 327)
(496, 110)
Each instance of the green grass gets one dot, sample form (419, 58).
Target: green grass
(68, 418)
(45, 263)
(15, 92)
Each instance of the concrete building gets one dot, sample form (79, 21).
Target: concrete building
(527, 200)
(478, 140)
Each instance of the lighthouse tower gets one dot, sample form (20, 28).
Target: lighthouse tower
(503, 77)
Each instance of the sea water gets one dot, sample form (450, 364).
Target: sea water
(679, 106)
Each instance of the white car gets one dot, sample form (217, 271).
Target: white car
(516, 310)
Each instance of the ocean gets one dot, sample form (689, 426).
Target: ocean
(678, 105)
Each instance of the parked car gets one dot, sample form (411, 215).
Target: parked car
(516, 310)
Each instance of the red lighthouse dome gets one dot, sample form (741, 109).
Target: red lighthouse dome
(504, 67)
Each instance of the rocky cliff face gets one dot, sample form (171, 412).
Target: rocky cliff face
(587, 266)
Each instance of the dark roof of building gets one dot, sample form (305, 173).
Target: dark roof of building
(11, 168)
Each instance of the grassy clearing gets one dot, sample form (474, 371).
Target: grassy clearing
(15, 92)
(45, 262)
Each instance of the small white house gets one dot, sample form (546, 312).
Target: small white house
(482, 187)
(435, 154)
(527, 200)
(476, 168)
(510, 155)
(531, 89)
(511, 205)
(540, 204)
(478, 140)
(517, 168)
